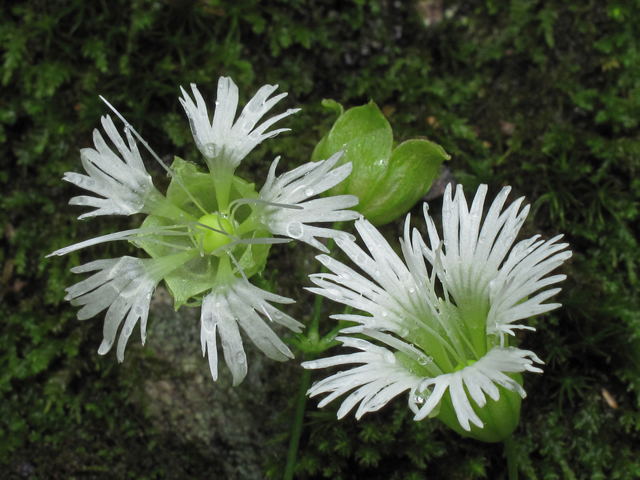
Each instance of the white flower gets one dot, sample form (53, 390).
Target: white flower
(441, 337)
(124, 285)
(225, 143)
(294, 188)
(124, 185)
(238, 303)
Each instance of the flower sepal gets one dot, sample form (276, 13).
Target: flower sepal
(191, 280)
(500, 417)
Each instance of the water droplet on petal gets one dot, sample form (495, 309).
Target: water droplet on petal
(295, 230)
(384, 314)
(389, 357)
(138, 310)
(361, 259)
(309, 192)
(241, 357)
(333, 292)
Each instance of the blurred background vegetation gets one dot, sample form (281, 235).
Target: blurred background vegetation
(542, 95)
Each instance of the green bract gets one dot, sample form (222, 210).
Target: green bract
(387, 181)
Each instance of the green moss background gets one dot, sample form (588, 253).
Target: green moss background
(542, 95)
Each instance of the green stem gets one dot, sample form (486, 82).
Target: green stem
(305, 381)
(298, 420)
(512, 463)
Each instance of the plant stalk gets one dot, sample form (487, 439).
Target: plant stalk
(512, 462)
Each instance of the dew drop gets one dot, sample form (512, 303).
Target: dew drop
(309, 191)
(333, 292)
(138, 310)
(423, 359)
(389, 357)
(295, 230)
(412, 290)
(240, 357)
(361, 259)
(384, 314)
(217, 103)
(209, 150)
(127, 331)
(404, 332)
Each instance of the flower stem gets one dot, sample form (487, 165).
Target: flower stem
(512, 463)
(301, 402)
(305, 381)
(298, 420)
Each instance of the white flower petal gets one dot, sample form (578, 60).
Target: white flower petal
(240, 304)
(125, 185)
(295, 188)
(377, 382)
(124, 286)
(480, 377)
(225, 143)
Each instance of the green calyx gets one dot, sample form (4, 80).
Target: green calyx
(387, 181)
(500, 418)
(203, 224)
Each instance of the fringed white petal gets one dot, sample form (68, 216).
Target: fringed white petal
(480, 379)
(225, 143)
(377, 382)
(125, 185)
(241, 304)
(124, 286)
(295, 188)
(473, 265)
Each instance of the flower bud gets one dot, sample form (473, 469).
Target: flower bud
(387, 181)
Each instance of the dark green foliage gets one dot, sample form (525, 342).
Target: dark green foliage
(542, 95)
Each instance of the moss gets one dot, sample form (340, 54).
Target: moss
(539, 94)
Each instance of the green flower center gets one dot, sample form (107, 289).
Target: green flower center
(211, 239)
